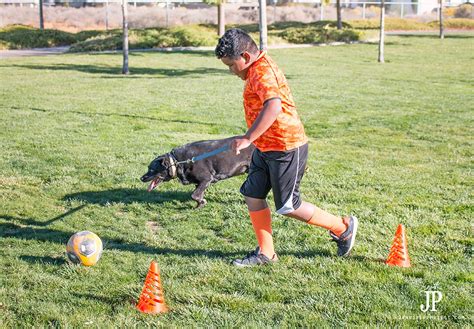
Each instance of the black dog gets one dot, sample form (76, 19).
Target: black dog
(203, 172)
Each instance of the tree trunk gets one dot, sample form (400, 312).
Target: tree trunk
(263, 24)
(125, 37)
(221, 18)
(41, 17)
(382, 31)
(339, 18)
(441, 23)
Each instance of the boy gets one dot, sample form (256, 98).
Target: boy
(279, 160)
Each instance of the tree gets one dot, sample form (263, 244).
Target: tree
(263, 24)
(125, 37)
(221, 17)
(339, 18)
(441, 23)
(41, 18)
(382, 31)
(220, 14)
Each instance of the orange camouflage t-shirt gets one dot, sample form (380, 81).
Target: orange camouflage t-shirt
(266, 81)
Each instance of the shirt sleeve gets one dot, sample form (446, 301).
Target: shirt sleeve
(265, 84)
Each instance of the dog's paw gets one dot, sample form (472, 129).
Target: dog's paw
(201, 203)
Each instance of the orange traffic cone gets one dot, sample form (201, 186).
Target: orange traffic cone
(398, 255)
(151, 299)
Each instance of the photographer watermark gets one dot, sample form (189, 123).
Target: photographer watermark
(433, 297)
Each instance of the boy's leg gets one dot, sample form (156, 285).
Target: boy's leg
(255, 190)
(313, 215)
(286, 171)
(261, 218)
(342, 230)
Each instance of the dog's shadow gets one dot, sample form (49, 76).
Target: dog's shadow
(128, 196)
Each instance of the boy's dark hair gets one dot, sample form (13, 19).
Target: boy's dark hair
(233, 44)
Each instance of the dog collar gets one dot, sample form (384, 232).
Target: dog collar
(173, 165)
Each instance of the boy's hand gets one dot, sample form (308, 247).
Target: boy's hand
(240, 143)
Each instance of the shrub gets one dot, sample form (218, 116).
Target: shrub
(464, 11)
(365, 24)
(390, 24)
(21, 36)
(319, 35)
(330, 24)
(194, 36)
(302, 35)
(110, 41)
(458, 23)
(449, 12)
(345, 35)
(150, 38)
(84, 35)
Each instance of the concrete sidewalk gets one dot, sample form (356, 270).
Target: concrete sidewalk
(33, 52)
(62, 50)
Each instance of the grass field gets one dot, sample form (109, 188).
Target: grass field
(390, 143)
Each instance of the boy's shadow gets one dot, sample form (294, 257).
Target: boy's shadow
(43, 260)
(11, 230)
(35, 222)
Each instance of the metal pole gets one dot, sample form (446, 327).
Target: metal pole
(382, 32)
(401, 11)
(107, 15)
(263, 24)
(363, 10)
(322, 10)
(167, 13)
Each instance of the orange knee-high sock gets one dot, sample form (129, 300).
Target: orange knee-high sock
(328, 221)
(262, 225)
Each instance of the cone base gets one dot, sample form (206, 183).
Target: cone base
(148, 309)
(399, 264)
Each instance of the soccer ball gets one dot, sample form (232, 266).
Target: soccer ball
(84, 248)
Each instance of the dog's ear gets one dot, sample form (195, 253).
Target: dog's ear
(158, 164)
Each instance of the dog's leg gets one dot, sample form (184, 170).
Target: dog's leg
(198, 194)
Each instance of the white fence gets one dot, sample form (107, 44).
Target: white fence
(404, 6)
(400, 6)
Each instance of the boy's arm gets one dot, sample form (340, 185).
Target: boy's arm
(265, 119)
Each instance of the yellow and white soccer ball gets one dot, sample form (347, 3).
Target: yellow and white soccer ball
(84, 248)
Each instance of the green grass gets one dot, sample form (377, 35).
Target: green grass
(391, 143)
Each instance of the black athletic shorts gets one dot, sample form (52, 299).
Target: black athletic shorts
(279, 171)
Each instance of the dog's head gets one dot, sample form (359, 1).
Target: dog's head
(162, 169)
